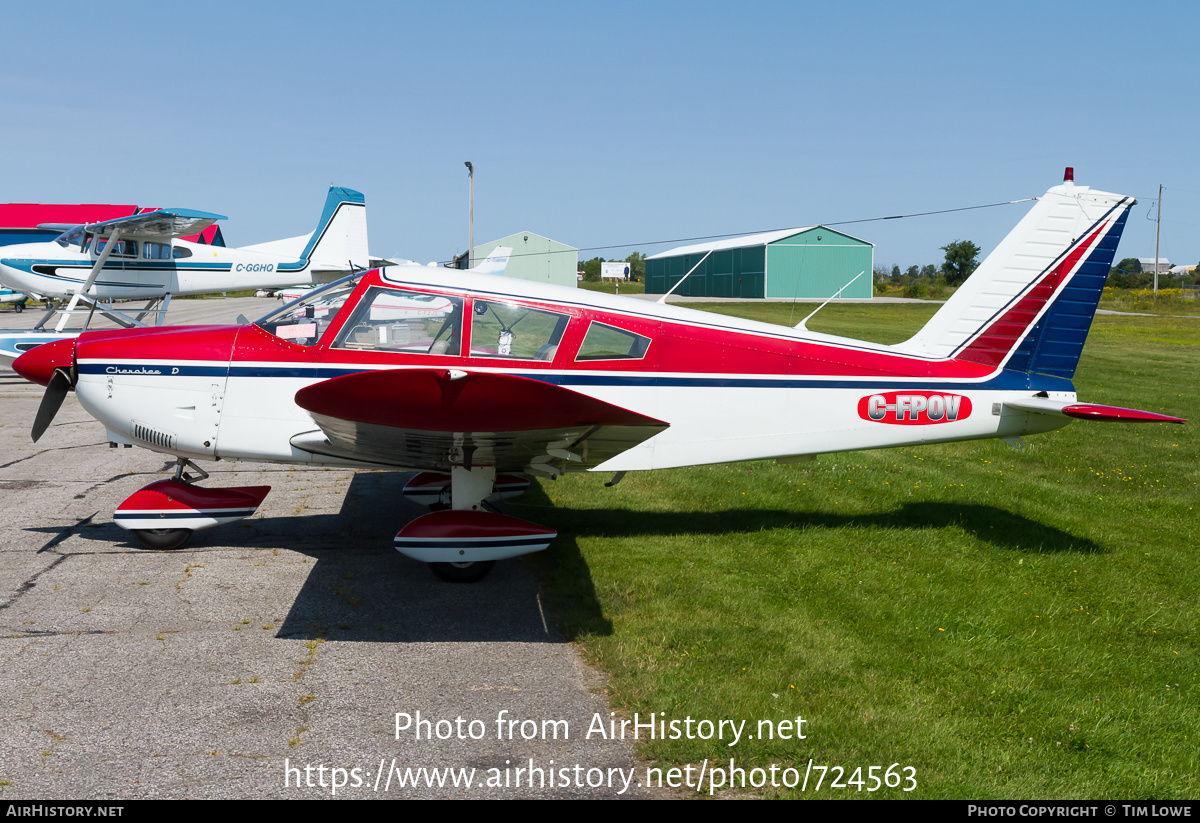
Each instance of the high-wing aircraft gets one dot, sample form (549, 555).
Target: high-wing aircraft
(493, 380)
(141, 257)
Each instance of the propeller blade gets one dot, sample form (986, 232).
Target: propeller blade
(52, 400)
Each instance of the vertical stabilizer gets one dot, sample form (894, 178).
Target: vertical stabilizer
(1030, 304)
(340, 241)
(495, 263)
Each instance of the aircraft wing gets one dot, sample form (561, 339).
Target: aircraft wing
(433, 418)
(57, 226)
(158, 224)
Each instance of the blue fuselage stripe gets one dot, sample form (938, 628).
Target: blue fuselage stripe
(1006, 380)
(157, 516)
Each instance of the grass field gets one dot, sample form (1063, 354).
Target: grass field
(614, 287)
(1010, 624)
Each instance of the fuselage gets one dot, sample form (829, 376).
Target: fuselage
(729, 389)
(146, 269)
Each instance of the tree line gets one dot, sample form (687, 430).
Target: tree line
(1128, 274)
(962, 258)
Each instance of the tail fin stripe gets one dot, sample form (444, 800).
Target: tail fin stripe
(992, 346)
(1029, 305)
(1055, 343)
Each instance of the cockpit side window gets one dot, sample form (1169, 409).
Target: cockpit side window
(303, 321)
(515, 332)
(122, 248)
(396, 320)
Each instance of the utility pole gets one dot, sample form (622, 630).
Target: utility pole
(1157, 229)
(471, 230)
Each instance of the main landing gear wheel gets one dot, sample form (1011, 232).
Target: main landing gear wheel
(462, 572)
(162, 540)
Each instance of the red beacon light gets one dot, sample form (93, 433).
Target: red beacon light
(1069, 175)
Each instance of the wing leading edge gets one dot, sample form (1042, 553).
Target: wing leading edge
(437, 418)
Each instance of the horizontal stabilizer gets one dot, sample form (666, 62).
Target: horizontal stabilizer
(434, 418)
(1089, 411)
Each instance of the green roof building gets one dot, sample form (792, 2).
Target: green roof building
(812, 262)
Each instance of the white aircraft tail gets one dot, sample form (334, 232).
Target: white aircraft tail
(1029, 305)
(495, 263)
(340, 241)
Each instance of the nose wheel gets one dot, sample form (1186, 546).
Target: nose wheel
(163, 515)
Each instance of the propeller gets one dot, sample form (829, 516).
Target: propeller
(53, 366)
(56, 391)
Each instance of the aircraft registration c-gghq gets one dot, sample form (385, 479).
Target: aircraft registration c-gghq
(475, 380)
(141, 257)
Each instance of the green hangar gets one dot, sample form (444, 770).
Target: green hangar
(533, 258)
(811, 262)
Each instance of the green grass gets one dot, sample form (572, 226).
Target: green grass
(611, 287)
(1144, 301)
(1012, 624)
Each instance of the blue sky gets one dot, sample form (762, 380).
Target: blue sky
(608, 123)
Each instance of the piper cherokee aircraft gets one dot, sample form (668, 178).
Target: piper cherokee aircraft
(500, 379)
(141, 257)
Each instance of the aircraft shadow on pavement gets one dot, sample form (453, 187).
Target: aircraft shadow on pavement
(361, 589)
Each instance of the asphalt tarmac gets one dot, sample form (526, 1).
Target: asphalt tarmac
(265, 655)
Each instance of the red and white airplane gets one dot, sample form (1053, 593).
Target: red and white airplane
(497, 379)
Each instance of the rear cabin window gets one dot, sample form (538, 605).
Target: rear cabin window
(604, 342)
(515, 332)
(405, 321)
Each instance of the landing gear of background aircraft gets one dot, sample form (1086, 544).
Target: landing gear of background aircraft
(459, 539)
(163, 515)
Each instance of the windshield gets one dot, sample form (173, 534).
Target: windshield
(305, 319)
(71, 237)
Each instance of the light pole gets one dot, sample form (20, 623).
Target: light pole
(471, 230)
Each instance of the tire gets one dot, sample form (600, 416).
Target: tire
(161, 540)
(462, 572)
(20, 308)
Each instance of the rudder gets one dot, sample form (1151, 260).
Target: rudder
(1030, 304)
(340, 241)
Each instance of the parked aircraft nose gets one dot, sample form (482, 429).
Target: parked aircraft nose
(38, 364)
